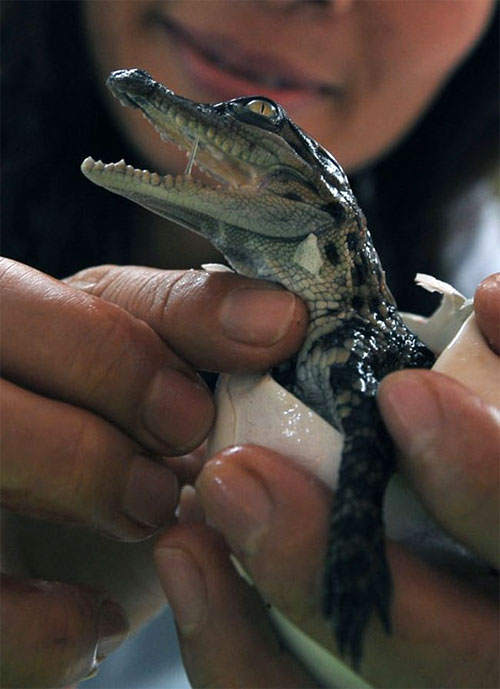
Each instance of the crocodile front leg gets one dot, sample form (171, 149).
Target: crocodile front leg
(348, 366)
(357, 580)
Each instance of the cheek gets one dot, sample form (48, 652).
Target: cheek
(424, 39)
(408, 51)
(114, 31)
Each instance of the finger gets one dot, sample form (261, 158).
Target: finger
(217, 321)
(275, 518)
(487, 310)
(54, 634)
(261, 504)
(66, 464)
(450, 443)
(187, 467)
(220, 617)
(60, 342)
(189, 510)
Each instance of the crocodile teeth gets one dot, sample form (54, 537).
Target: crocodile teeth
(88, 164)
(136, 175)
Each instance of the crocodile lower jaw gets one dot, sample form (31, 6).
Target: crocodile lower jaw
(121, 174)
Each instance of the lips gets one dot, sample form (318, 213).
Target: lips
(237, 68)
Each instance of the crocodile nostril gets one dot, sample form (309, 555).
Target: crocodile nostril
(127, 83)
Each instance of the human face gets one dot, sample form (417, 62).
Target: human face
(355, 74)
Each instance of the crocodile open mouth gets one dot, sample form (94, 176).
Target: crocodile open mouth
(225, 141)
(224, 154)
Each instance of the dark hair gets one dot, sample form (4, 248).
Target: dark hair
(53, 116)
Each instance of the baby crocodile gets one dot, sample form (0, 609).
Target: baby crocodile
(283, 210)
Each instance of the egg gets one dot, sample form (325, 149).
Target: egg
(253, 408)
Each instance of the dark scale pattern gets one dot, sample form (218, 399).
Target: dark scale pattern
(352, 241)
(359, 273)
(357, 302)
(332, 253)
(357, 580)
(292, 196)
(335, 210)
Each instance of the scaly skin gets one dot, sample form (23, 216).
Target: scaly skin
(283, 211)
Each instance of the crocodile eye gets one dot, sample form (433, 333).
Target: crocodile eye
(262, 107)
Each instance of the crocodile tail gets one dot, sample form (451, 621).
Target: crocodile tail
(357, 579)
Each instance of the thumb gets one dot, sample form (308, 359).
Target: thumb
(449, 441)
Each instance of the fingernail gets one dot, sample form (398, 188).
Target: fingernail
(236, 502)
(185, 588)
(178, 412)
(151, 493)
(113, 628)
(257, 316)
(410, 410)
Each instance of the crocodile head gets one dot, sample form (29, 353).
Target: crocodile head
(269, 177)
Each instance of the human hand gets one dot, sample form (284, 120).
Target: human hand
(445, 628)
(100, 382)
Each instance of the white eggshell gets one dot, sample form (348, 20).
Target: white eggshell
(255, 409)
(469, 360)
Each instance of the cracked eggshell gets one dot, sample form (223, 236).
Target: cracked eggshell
(469, 359)
(255, 409)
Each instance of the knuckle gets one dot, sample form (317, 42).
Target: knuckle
(6, 267)
(168, 299)
(198, 289)
(15, 279)
(79, 455)
(152, 294)
(94, 473)
(92, 279)
(112, 346)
